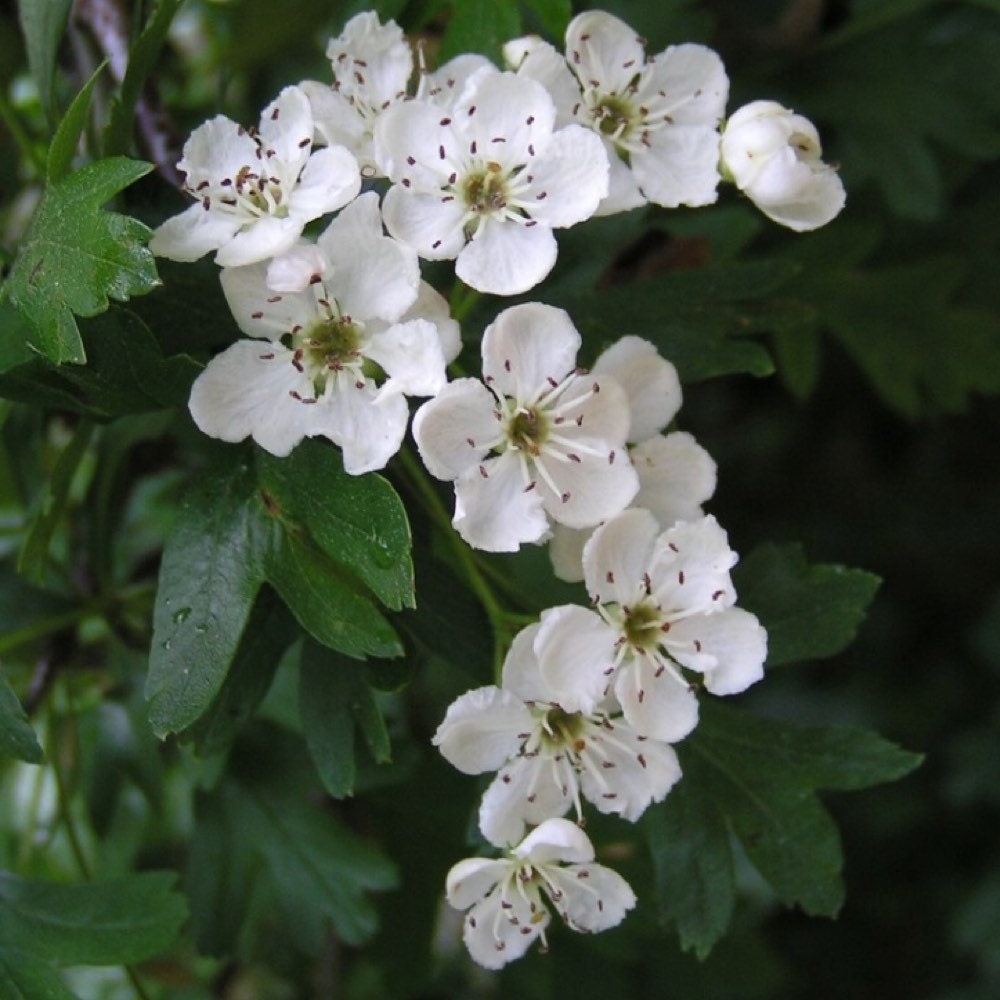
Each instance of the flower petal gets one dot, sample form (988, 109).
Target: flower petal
(471, 879)
(521, 675)
(330, 179)
(734, 639)
(456, 430)
(591, 490)
(267, 237)
(482, 730)
(286, 132)
(604, 49)
(428, 222)
(193, 233)
(506, 257)
(679, 166)
(525, 792)
(555, 840)
(594, 897)
(410, 354)
(657, 703)
(576, 656)
(495, 934)
(676, 475)
(617, 558)
(690, 568)
(260, 312)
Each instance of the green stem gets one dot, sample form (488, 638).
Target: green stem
(19, 135)
(430, 501)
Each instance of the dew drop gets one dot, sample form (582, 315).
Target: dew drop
(181, 615)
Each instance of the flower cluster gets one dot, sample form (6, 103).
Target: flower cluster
(480, 164)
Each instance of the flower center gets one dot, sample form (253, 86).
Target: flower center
(330, 345)
(562, 729)
(614, 116)
(528, 430)
(485, 191)
(642, 626)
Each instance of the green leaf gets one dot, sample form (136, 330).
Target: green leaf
(480, 26)
(109, 923)
(34, 557)
(22, 977)
(358, 521)
(142, 57)
(229, 539)
(554, 16)
(333, 696)
(125, 373)
(810, 612)
(758, 779)
(64, 142)
(698, 318)
(43, 23)
(75, 256)
(17, 738)
(15, 332)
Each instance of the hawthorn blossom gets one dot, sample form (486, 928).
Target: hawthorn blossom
(663, 606)
(506, 897)
(334, 358)
(485, 181)
(540, 439)
(658, 116)
(775, 158)
(676, 475)
(255, 188)
(546, 758)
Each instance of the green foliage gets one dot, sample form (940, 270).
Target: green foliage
(67, 137)
(481, 26)
(43, 25)
(75, 256)
(17, 738)
(757, 778)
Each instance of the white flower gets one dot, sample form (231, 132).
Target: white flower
(774, 157)
(676, 475)
(657, 116)
(546, 757)
(540, 439)
(372, 65)
(255, 189)
(339, 355)
(506, 897)
(663, 605)
(485, 182)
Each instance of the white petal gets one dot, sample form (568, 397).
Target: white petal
(676, 476)
(576, 654)
(216, 150)
(650, 383)
(409, 140)
(690, 569)
(569, 179)
(338, 123)
(694, 78)
(371, 59)
(604, 49)
(432, 306)
(482, 730)
(656, 703)
(566, 551)
(286, 131)
(296, 269)
(555, 840)
(269, 236)
(432, 226)
(734, 639)
(525, 792)
(456, 430)
(594, 897)
(506, 116)
(472, 878)
(623, 190)
(538, 60)
(329, 180)
(679, 166)
(591, 490)
(495, 510)
(193, 233)
(617, 558)
(521, 675)
(245, 391)
(410, 354)
(261, 312)
(495, 935)
(526, 346)
(506, 257)
(815, 203)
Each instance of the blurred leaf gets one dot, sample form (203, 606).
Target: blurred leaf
(256, 35)
(34, 557)
(23, 977)
(809, 611)
(142, 58)
(17, 738)
(758, 778)
(358, 521)
(554, 16)
(75, 256)
(109, 923)
(228, 540)
(333, 697)
(15, 332)
(480, 26)
(63, 146)
(698, 317)
(43, 23)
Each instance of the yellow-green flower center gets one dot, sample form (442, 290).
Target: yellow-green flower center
(643, 626)
(528, 430)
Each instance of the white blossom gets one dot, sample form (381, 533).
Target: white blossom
(540, 439)
(775, 158)
(546, 758)
(506, 897)
(486, 180)
(663, 607)
(658, 116)
(255, 188)
(334, 358)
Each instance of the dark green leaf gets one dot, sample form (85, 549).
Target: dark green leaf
(17, 738)
(67, 137)
(15, 332)
(75, 256)
(209, 578)
(358, 521)
(480, 26)
(554, 16)
(108, 923)
(268, 633)
(809, 611)
(43, 23)
(34, 557)
(758, 778)
(141, 59)
(24, 977)
(698, 318)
